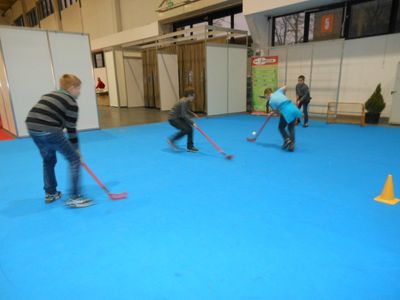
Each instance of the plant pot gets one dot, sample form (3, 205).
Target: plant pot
(372, 118)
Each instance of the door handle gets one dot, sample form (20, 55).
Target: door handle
(393, 92)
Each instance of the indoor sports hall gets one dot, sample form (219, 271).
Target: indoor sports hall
(251, 215)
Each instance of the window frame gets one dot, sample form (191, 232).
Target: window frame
(392, 19)
(209, 18)
(346, 18)
(95, 65)
(307, 19)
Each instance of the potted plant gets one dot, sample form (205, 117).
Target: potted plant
(374, 106)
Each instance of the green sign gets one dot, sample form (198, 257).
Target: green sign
(264, 75)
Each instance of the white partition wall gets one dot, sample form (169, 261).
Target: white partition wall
(71, 54)
(111, 78)
(299, 62)
(281, 52)
(217, 79)
(134, 81)
(237, 81)
(34, 60)
(343, 70)
(169, 79)
(395, 111)
(6, 111)
(226, 71)
(29, 74)
(325, 71)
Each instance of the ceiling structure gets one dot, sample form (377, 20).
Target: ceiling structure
(5, 4)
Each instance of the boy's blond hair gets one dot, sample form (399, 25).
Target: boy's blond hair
(68, 80)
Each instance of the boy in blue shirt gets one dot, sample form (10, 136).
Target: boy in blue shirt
(279, 102)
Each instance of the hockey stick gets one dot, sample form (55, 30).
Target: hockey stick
(227, 156)
(111, 195)
(254, 138)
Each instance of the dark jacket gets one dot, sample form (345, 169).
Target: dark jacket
(181, 110)
(303, 93)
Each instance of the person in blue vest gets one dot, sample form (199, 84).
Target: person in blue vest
(279, 102)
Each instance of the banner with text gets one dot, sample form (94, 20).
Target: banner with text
(264, 75)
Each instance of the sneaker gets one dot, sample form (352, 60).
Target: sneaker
(172, 144)
(52, 197)
(192, 149)
(286, 143)
(305, 125)
(291, 147)
(78, 202)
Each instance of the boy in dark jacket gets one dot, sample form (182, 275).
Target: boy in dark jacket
(180, 118)
(303, 98)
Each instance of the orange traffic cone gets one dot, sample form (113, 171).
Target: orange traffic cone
(387, 195)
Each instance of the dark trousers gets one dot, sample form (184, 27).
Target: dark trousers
(185, 129)
(49, 143)
(305, 110)
(290, 126)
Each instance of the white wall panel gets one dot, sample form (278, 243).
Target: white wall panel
(71, 54)
(281, 52)
(362, 70)
(392, 58)
(298, 63)
(169, 79)
(395, 109)
(217, 79)
(325, 71)
(120, 73)
(111, 78)
(134, 81)
(27, 58)
(237, 70)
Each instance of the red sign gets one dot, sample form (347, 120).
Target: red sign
(264, 60)
(327, 23)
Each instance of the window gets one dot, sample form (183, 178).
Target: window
(325, 25)
(46, 8)
(222, 22)
(289, 29)
(230, 18)
(369, 18)
(32, 17)
(98, 59)
(239, 22)
(19, 21)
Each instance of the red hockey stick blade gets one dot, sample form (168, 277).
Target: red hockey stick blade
(119, 196)
(229, 157)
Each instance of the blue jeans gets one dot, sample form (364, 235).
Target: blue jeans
(185, 129)
(290, 126)
(49, 143)
(305, 110)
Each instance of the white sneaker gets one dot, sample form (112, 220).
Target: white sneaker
(172, 145)
(79, 202)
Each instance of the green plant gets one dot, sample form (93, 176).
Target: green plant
(375, 103)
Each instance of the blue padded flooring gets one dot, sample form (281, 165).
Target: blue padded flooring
(267, 225)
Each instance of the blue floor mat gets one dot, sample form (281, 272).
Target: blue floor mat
(269, 224)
